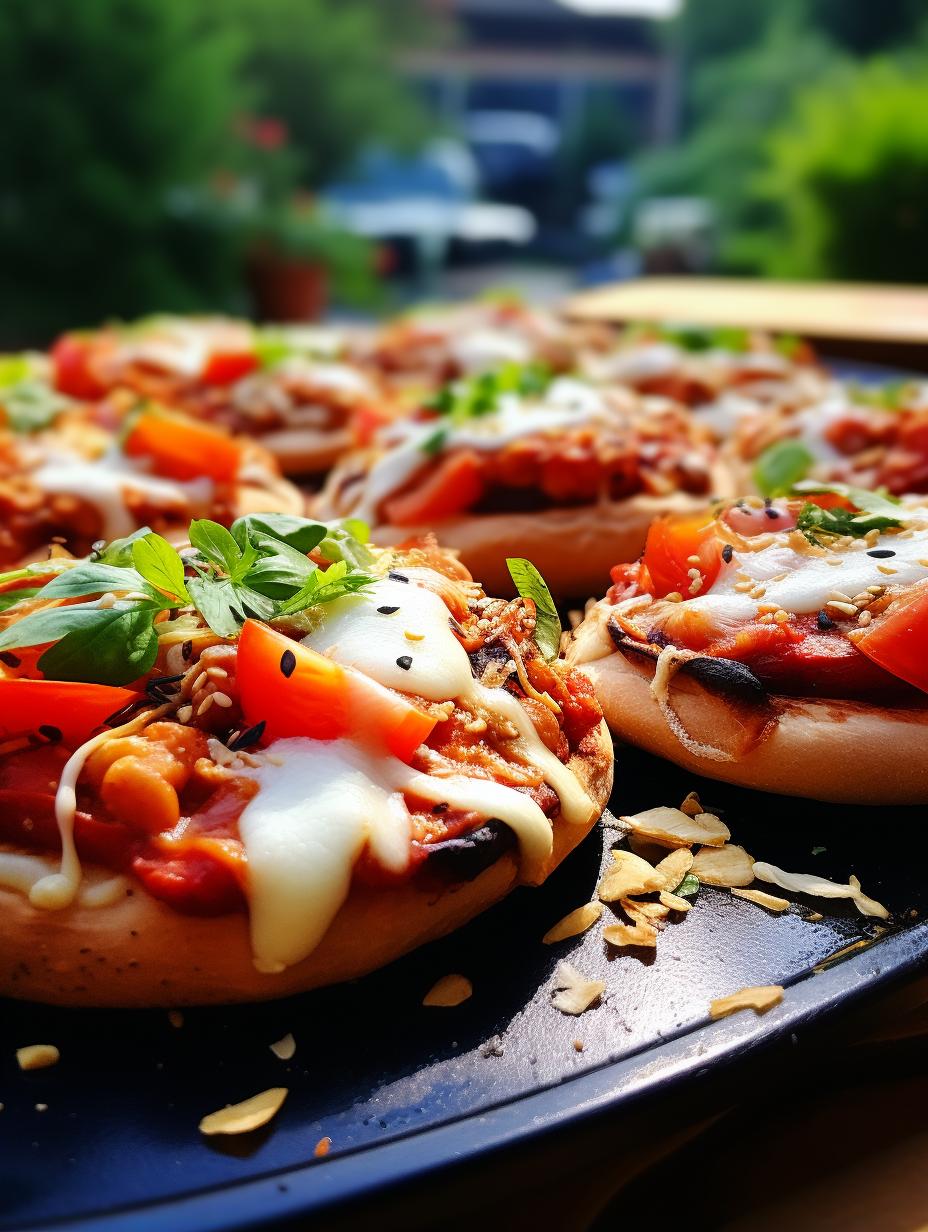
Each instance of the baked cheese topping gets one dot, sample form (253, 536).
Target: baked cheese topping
(567, 403)
(803, 582)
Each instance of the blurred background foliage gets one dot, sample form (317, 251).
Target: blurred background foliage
(197, 154)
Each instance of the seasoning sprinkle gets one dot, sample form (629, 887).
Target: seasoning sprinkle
(387, 610)
(249, 737)
(405, 662)
(727, 553)
(824, 621)
(10, 659)
(882, 553)
(186, 651)
(397, 577)
(288, 663)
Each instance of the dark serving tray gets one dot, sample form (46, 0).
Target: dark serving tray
(401, 1089)
(108, 1138)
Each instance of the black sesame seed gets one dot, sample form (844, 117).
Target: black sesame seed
(824, 621)
(10, 659)
(249, 737)
(405, 662)
(387, 610)
(398, 577)
(50, 733)
(882, 553)
(288, 663)
(727, 553)
(771, 513)
(441, 807)
(186, 651)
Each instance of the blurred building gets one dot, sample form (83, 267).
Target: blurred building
(544, 58)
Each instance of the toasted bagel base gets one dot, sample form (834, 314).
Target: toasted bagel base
(139, 952)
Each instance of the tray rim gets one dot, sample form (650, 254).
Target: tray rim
(320, 1186)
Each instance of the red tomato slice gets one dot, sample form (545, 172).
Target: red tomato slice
(670, 544)
(454, 485)
(297, 692)
(73, 373)
(70, 710)
(227, 367)
(182, 448)
(896, 640)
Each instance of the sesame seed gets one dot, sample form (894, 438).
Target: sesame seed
(413, 637)
(839, 596)
(398, 577)
(780, 616)
(692, 560)
(864, 618)
(886, 569)
(696, 585)
(288, 663)
(184, 714)
(882, 553)
(387, 609)
(205, 705)
(249, 737)
(846, 609)
(674, 597)
(766, 619)
(743, 587)
(833, 560)
(692, 573)
(405, 662)
(217, 673)
(222, 699)
(875, 590)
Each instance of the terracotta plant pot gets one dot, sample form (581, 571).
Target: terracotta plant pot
(286, 288)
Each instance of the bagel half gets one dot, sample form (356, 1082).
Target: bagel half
(848, 752)
(138, 952)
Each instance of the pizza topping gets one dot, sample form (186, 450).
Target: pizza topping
(573, 992)
(758, 999)
(250, 1114)
(37, 1056)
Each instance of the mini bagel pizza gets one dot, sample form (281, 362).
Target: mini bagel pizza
(871, 437)
(718, 372)
(517, 462)
(292, 390)
(433, 345)
(276, 760)
(102, 475)
(780, 646)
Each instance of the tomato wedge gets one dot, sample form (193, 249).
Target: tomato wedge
(67, 710)
(227, 367)
(296, 691)
(182, 448)
(454, 485)
(671, 542)
(73, 373)
(896, 640)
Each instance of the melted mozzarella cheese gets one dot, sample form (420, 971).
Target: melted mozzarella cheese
(479, 350)
(103, 482)
(317, 804)
(809, 580)
(568, 403)
(339, 378)
(641, 362)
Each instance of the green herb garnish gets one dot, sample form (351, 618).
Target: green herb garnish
(781, 466)
(531, 585)
(31, 405)
(872, 511)
(480, 395)
(257, 568)
(688, 886)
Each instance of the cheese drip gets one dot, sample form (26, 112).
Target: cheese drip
(317, 805)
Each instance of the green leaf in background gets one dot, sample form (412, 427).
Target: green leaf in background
(32, 405)
(781, 466)
(160, 564)
(531, 585)
(116, 648)
(688, 886)
(873, 511)
(14, 369)
(788, 345)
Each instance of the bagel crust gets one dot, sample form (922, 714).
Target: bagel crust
(847, 752)
(573, 547)
(139, 952)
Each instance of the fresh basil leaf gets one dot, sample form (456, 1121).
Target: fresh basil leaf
(781, 466)
(218, 604)
(873, 511)
(159, 564)
(688, 886)
(279, 569)
(300, 533)
(9, 598)
(531, 585)
(216, 544)
(90, 578)
(324, 586)
(117, 647)
(119, 552)
(340, 545)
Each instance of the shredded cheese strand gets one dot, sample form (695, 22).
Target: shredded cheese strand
(669, 662)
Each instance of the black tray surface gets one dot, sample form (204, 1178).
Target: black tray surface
(373, 1066)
